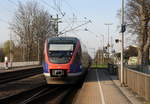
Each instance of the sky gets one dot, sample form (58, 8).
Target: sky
(77, 12)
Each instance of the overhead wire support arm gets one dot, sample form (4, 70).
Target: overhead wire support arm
(74, 27)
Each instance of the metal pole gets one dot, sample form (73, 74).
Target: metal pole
(38, 49)
(108, 38)
(10, 50)
(122, 45)
(103, 49)
(111, 44)
(23, 51)
(57, 24)
(103, 41)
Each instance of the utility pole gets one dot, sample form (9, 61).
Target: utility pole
(108, 24)
(103, 49)
(111, 43)
(56, 22)
(122, 43)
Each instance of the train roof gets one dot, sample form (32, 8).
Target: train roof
(63, 40)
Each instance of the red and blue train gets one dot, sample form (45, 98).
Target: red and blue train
(65, 60)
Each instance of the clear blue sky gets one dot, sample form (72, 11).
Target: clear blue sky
(98, 11)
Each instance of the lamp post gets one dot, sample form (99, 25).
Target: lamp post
(122, 43)
(108, 24)
(102, 47)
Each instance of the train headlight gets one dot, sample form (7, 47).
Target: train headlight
(80, 66)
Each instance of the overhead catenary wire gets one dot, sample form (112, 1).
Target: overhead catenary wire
(3, 21)
(75, 27)
(14, 3)
(71, 26)
(48, 5)
(58, 8)
(74, 12)
(58, 4)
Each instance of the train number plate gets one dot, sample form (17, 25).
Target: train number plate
(57, 73)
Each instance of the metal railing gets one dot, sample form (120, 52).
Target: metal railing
(139, 82)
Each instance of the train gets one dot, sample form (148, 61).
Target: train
(66, 60)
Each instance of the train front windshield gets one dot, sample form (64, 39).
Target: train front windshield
(60, 53)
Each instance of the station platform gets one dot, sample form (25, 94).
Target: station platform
(98, 88)
(13, 69)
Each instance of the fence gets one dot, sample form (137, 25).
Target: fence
(17, 64)
(139, 82)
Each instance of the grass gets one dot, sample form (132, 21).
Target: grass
(99, 66)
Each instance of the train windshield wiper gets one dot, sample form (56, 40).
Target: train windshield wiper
(60, 54)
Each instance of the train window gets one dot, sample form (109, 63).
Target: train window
(60, 57)
(60, 47)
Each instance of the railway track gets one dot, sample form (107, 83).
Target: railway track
(48, 94)
(17, 75)
(51, 94)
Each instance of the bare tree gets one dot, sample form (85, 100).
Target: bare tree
(32, 25)
(138, 18)
(44, 27)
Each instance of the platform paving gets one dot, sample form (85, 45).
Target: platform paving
(100, 89)
(89, 94)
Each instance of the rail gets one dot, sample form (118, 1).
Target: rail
(137, 81)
